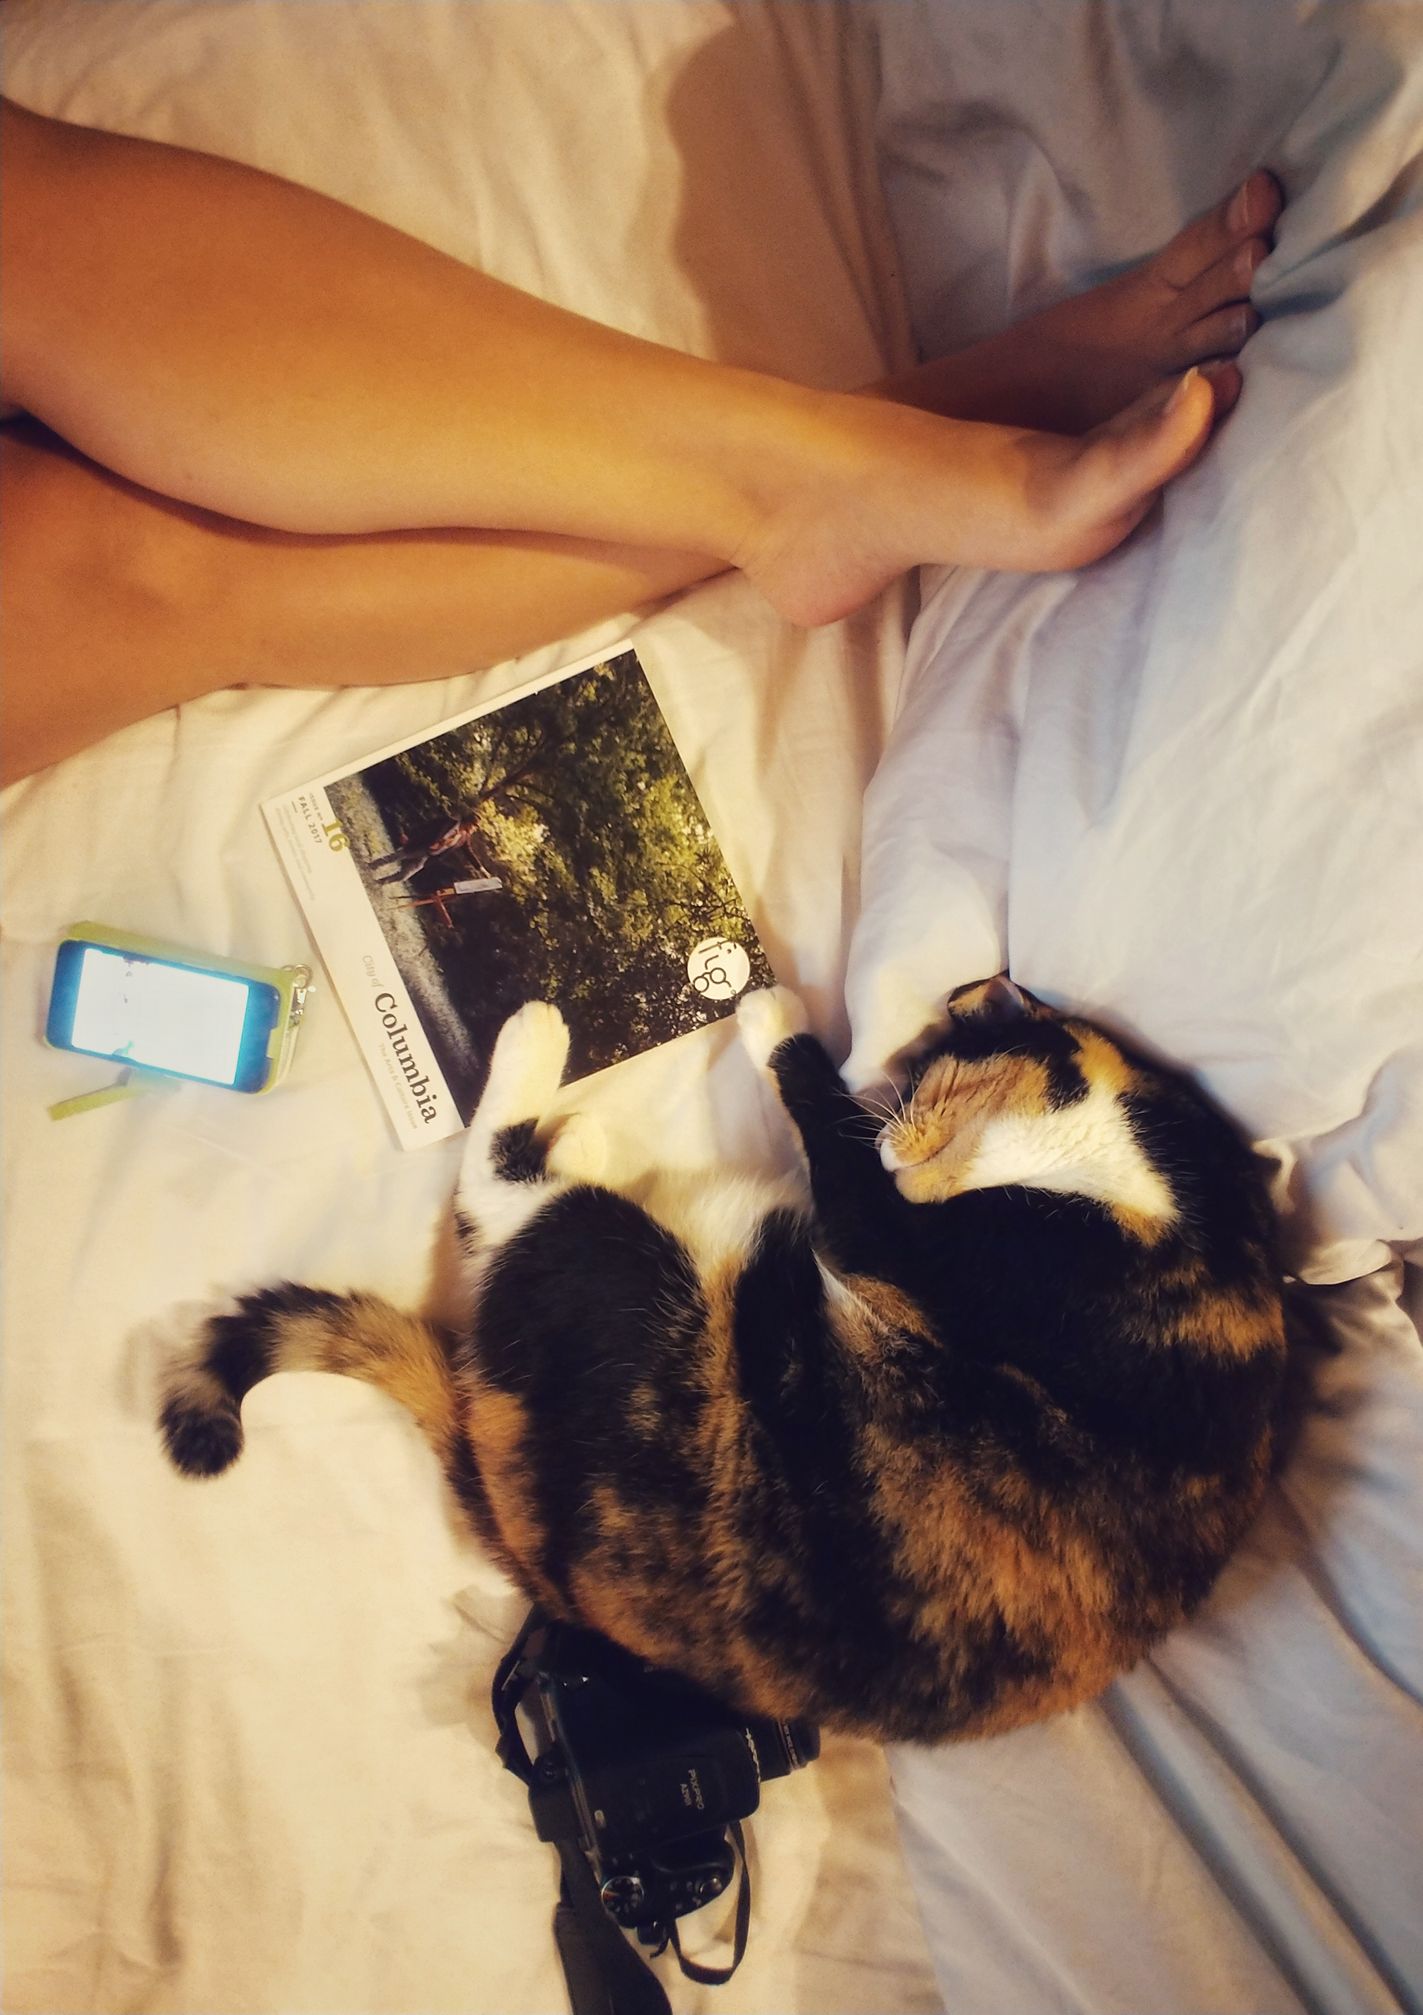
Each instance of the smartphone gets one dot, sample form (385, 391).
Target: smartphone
(159, 1009)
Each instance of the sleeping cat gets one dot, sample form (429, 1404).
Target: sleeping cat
(932, 1451)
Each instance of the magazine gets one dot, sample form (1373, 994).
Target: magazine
(548, 846)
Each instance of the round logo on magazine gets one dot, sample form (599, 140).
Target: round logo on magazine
(718, 969)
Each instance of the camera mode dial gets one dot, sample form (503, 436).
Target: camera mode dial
(623, 1897)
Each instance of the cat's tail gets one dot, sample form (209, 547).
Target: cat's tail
(291, 1328)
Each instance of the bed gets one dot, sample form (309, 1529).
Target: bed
(248, 1760)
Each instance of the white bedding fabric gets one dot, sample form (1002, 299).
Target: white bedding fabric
(247, 1760)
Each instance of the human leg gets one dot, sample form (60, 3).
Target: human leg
(306, 368)
(99, 605)
(116, 603)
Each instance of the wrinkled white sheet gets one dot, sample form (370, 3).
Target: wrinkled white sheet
(249, 1762)
(1186, 789)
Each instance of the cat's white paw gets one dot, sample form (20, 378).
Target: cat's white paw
(579, 1150)
(766, 1018)
(526, 1068)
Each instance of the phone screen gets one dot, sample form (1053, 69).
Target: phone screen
(163, 1017)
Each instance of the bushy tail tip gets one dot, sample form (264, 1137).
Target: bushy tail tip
(201, 1440)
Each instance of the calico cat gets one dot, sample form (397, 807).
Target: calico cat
(935, 1450)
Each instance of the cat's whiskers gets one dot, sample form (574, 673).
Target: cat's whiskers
(867, 1117)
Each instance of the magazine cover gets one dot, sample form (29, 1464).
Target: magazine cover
(547, 847)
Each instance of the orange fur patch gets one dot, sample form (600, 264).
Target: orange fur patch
(497, 1425)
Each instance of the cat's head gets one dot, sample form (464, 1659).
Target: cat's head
(1008, 1092)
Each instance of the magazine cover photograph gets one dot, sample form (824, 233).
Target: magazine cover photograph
(549, 848)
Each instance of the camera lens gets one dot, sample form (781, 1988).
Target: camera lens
(782, 1746)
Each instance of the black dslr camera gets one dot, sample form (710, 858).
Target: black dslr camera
(640, 1780)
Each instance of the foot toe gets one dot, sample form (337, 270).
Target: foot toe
(1229, 279)
(1225, 380)
(1255, 205)
(1117, 470)
(1250, 211)
(527, 1065)
(1219, 335)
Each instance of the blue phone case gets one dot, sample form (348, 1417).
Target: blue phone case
(276, 1001)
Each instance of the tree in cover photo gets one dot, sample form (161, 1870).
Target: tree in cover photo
(575, 799)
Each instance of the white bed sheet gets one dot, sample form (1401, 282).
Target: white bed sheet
(249, 1764)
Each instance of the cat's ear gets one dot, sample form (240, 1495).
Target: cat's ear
(997, 996)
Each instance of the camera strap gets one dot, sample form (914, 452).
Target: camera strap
(717, 1976)
(603, 1972)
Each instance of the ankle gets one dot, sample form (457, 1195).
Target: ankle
(782, 458)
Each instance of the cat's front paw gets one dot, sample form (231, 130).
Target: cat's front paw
(579, 1150)
(526, 1068)
(767, 1018)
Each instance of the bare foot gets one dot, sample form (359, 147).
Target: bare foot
(1035, 450)
(886, 488)
(1073, 365)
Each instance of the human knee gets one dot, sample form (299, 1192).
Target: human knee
(78, 534)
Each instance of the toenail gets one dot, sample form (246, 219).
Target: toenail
(1241, 207)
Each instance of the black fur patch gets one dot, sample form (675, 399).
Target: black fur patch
(241, 1347)
(200, 1443)
(468, 1486)
(810, 1509)
(861, 1219)
(517, 1153)
(1049, 1288)
(780, 1314)
(574, 1341)
(1217, 1178)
